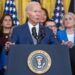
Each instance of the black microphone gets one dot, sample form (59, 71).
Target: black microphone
(34, 33)
(42, 33)
(41, 36)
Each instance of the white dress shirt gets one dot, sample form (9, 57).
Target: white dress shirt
(71, 37)
(31, 26)
(37, 31)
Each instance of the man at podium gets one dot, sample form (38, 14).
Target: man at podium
(38, 60)
(32, 32)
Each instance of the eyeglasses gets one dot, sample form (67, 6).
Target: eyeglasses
(51, 26)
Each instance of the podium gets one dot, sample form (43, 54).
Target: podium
(21, 60)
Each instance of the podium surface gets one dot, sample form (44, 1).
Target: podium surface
(18, 59)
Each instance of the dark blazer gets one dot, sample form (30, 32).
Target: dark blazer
(21, 35)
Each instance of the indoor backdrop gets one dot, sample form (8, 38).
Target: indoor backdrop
(21, 5)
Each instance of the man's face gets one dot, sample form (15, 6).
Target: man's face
(34, 14)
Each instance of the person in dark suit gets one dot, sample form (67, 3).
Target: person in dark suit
(52, 25)
(26, 34)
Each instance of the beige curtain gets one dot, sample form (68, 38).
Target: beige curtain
(21, 5)
(66, 4)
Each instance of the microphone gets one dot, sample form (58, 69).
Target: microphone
(42, 35)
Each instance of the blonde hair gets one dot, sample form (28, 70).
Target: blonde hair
(63, 19)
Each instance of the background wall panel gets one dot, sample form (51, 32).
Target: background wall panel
(21, 5)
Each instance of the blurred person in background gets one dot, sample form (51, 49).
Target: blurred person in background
(67, 36)
(6, 24)
(44, 16)
(52, 25)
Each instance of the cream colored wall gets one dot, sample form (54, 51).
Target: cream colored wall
(21, 5)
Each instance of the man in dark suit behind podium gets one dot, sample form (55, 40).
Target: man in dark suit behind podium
(27, 34)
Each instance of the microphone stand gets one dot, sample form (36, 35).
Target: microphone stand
(42, 35)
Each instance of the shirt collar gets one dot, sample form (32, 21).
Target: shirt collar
(31, 26)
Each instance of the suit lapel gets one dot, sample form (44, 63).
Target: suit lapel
(28, 34)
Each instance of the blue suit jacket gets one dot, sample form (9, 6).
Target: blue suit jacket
(62, 35)
(21, 35)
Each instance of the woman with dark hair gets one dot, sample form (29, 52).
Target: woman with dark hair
(6, 24)
(44, 16)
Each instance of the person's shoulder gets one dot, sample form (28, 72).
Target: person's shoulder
(46, 29)
(61, 31)
(19, 27)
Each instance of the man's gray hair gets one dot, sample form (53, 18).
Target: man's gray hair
(29, 6)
